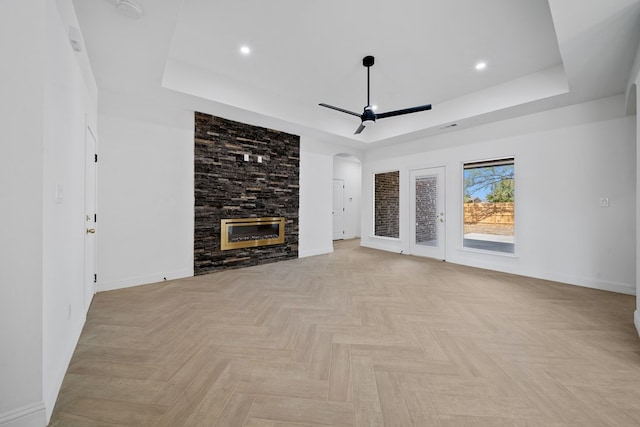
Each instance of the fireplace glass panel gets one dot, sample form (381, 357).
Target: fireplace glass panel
(251, 232)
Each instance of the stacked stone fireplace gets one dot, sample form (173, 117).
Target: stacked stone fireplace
(246, 192)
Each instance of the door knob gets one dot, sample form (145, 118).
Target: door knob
(91, 230)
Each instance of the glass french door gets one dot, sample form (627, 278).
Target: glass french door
(428, 212)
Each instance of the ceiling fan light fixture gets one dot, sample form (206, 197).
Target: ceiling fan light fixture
(129, 8)
(368, 117)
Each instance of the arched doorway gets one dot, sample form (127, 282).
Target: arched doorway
(347, 184)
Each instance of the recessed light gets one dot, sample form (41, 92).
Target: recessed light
(245, 50)
(481, 66)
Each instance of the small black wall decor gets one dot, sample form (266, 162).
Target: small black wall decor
(243, 171)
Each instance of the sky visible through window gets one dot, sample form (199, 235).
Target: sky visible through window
(482, 181)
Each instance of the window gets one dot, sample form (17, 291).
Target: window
(489, 205)
(386, 211)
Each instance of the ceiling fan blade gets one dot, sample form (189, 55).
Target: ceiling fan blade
(340, 109)
(404, 111)
(360, 129)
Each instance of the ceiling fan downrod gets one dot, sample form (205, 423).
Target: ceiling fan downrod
(368, 116)
(368, 62)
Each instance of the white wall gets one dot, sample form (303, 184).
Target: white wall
(348, 169)
(68, 18)
(316, 194)
(146, 192)
(66, 116)
(145, 201)
(565, 161)
(632, 97)
(316, 188)
(45, 105)
(21, 79)
(636, 316)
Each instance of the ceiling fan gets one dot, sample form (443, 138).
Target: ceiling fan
(369, 117)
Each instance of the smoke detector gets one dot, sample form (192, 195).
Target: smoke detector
(129, 8)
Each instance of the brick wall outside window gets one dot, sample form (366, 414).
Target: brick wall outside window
(387, 204)
(426, 209)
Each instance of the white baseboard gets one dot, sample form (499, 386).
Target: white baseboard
(314, 252)
(28, 416)
(110, 285)
(51, 395)
(620, 288)
(636, 321)
(388, 245)
(509, 265)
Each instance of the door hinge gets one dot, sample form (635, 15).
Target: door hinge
(95, 278)
(95, 159)
(95, 217)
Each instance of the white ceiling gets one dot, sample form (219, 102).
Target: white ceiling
(540, 54)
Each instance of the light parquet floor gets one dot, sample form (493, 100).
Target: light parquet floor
(355, 338)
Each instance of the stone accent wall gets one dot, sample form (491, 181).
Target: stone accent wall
(426, 209)
(387, 204)
(227, 186)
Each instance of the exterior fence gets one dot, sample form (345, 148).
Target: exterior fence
(489, 213)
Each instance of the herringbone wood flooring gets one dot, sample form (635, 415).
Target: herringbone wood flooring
(357, 337)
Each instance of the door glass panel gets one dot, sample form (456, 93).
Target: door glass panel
(427, 207)
(427, 215)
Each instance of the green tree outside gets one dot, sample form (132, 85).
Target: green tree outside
(492, 183)
(501, 192)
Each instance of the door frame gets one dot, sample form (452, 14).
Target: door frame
(333, 215)
(90, 217)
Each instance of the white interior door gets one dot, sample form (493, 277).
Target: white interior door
(428, 216)
(90, 219)
(338, 209)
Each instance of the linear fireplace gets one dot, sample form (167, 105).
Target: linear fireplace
(250, 232)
